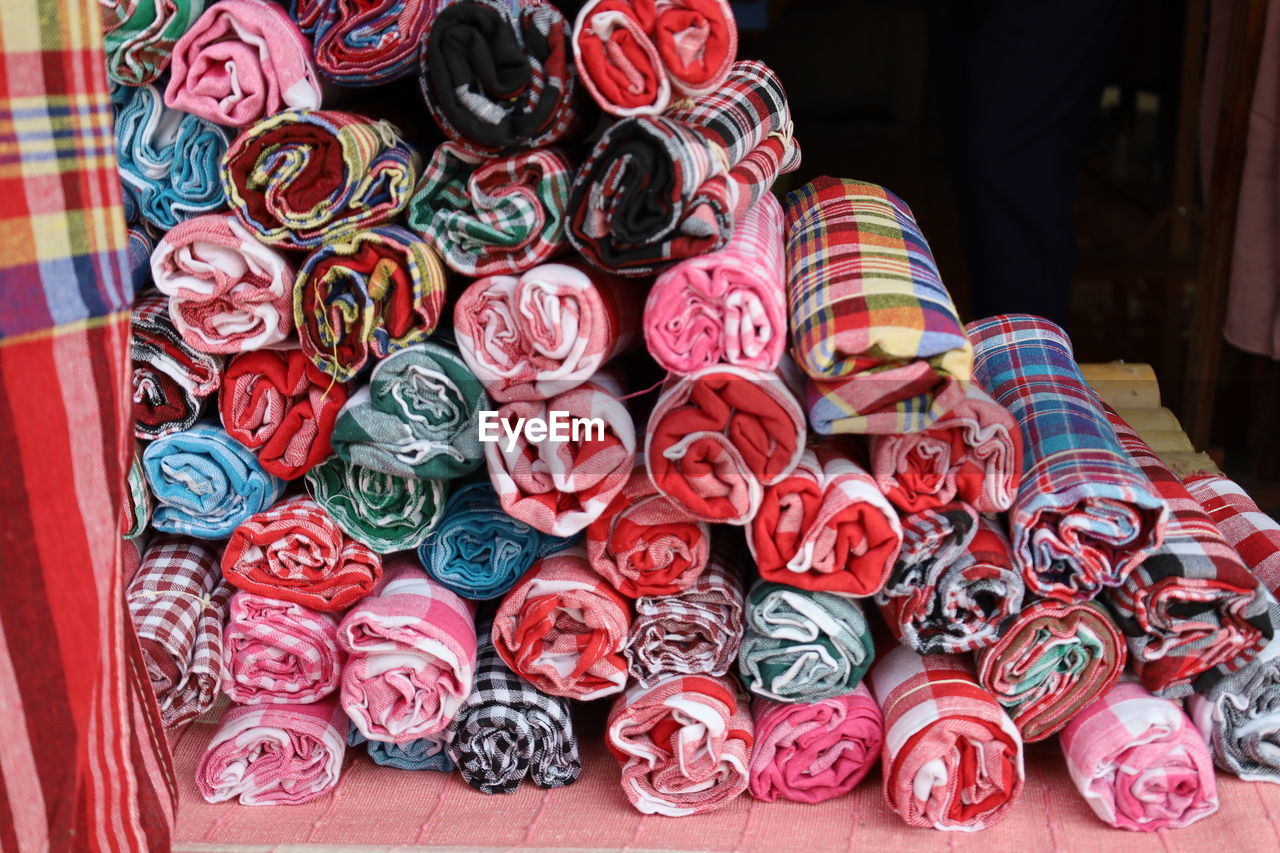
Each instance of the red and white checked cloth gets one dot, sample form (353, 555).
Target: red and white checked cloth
(684, 744)
(1251, 532)
(278, 651)
(296, 552)
(952, 757)
(562, 628)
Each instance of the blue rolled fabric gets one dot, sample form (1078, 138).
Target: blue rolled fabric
(205, 482)
(422, 754)
(139, 249)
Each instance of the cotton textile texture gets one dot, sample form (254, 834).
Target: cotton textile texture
(417, 417)
(425, 753)
(366, 296)
(138, 504)
(385, 512)
(279, 651)
(1253, 534)
(684, 744)
(170, 379)
(241, 61)
(274, 755)
(139, 42)
(302, 178)
(872, 324)
(810, 753)
(952, 758)
(365, 43)
(1084, 516)
(294, 552)
(658, 189)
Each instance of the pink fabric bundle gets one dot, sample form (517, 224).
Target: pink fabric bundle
(278, 651)
(413, 656)
(727, 306)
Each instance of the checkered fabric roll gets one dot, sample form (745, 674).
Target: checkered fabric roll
(303, 178)
(952, 758)
(684, 744)
(278, 651)
(825, 526)
(658, 189)
(385, 512)
(1139, 762)
(141, 245)
(871, 322)
(368, 43)
(1253, 534)
(141, 34)
(138, 503)
(295, 552)
(425, 753)
(177, 602)
(171, 380)
(493, 216)
(1084, 516)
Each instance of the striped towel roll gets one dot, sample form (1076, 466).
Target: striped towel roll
(385, 512)
(140, 36)
(368, 45)
(171, 379)
(137, 506)
(278, 651)
(425, 753)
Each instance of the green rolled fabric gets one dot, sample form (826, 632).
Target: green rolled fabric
(136, 514)
(140, 46)
(385, 512)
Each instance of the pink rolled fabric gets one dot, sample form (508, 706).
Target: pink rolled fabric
(727, 306)
(278, 651)
(809, 753)
(241, 61)
(413, 655)
(227, 292)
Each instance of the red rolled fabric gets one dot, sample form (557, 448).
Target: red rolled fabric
(278, 651)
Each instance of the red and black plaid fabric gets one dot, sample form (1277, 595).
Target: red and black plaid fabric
(1252, 533)
(171, 379)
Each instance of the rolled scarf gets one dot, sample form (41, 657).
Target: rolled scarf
(717, 437)
(295, 552)
(419, 416)
(684, 744)
(141, 34)
(1139, 762)
(546, 331)
(1053, 661)
(493, 216)
(973, 453)
(386, 513)
(413, 656)
(171, 380)
(425, 753)
(366, 296)
(140, 246)
(825, 526)
(365, 43)
(635, 55)
(952, 758)
(302, 178)
(872, 324)
(725, 307)
(241, 61)
(177, 602)
(810, 753)
(499, 77)
(168, 159)
(563, 629)
(137, 505)
(1084, 516)
(803, 646)
(274, 755)
(279, 651)
(205, 483)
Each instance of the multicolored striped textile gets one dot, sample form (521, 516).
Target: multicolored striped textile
(141, 34)
(425, 753)
(952, 758)
(365, 43)
(811, 753)
(1139, 762)
(386, 513)
(141, 245)
(1253, 534)
(171, 380)
(868, 306)
(303, 178)
(1085, 516)
(658, 189)
(138, 504)
(278, 651)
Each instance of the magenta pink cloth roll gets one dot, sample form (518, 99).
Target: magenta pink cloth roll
(278, 651)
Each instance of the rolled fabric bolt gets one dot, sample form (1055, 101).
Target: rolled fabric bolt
(385, 512)
(278, 651)
(138, 504)
(365, 44)
(425, 753)
(171, 380)
(140, 36)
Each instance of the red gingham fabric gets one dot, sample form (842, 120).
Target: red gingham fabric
(171, 379)
(1251, 532)
(279, 651)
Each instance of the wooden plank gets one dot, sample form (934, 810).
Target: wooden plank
(1124, 385)
(1185, 464)
(1150, 420)
(1164, 441)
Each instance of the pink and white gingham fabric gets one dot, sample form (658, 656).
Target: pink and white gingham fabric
(278, 651)
(1251, 532)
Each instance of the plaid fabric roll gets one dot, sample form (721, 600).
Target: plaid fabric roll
(725, 307)
(177, 602)
(717, 437)
(536, 335)
(274, 755)
(952, 758)
(168, 159)
(141, 245)
(417, 417)
(170, 379)
(205, 483)
(684, 744)
(384, 512)
(366, 296)
(826, 527)
(365, 43)
(413, 656)
(227, 292)
(1084, 516)
(425, 753)
(138, 505)
(295, 552)
(498, 76)
(303, 178)
(278, 651)
(563, 629)
(1139, 762)
(241, 61)
(493, 216)
(141, 34)
(1253, 534)
(810, 753)
(633, 54)
(658, 189)
(867, 305)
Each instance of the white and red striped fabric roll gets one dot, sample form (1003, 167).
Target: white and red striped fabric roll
(278, 651)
